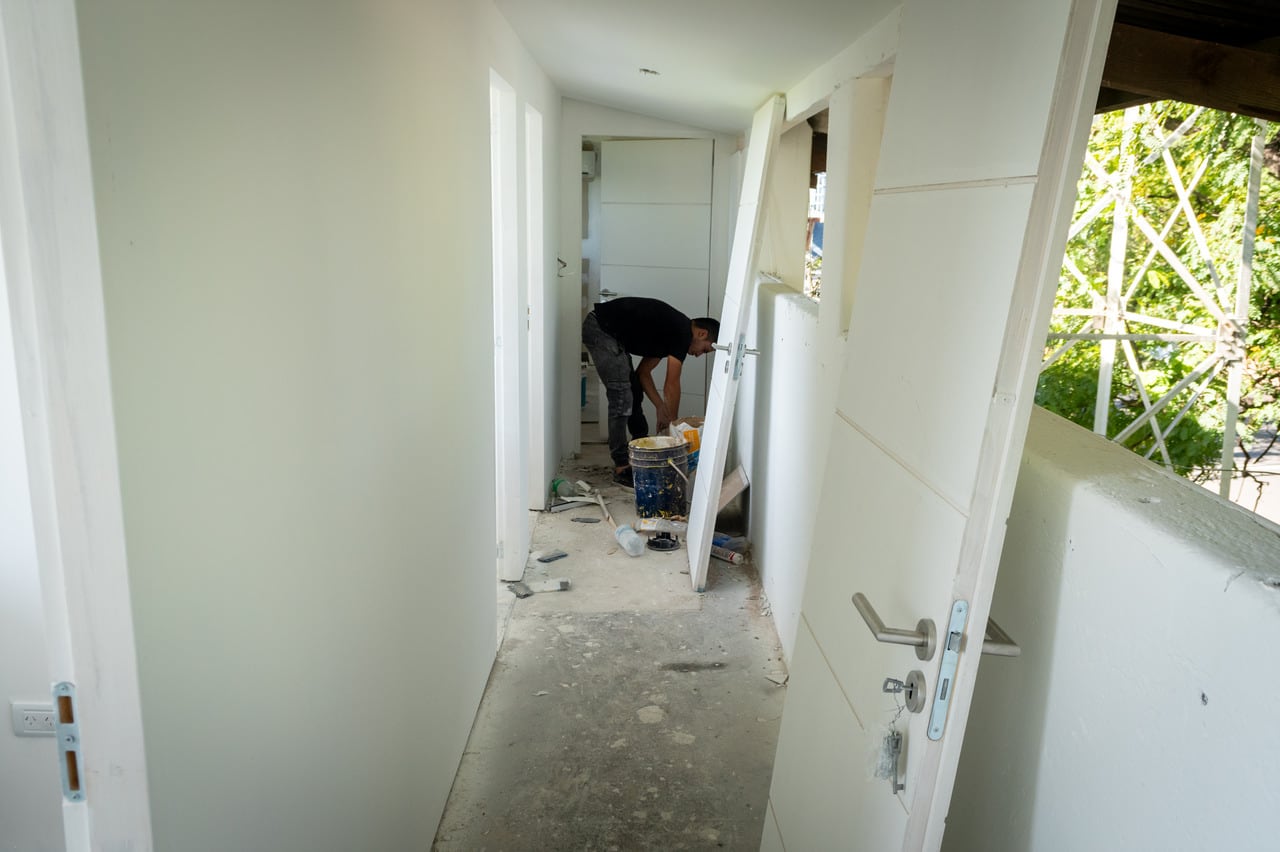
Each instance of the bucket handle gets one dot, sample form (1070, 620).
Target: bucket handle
(683, 475)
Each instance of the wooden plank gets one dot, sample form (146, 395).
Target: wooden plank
(733, 485)
(1236, 79)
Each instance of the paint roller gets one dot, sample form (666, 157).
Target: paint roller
(628, 538)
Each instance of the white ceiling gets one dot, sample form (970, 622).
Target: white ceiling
(719, 59)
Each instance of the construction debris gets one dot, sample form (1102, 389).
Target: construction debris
(560, 584)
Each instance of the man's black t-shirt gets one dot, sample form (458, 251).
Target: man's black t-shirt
(646, 327)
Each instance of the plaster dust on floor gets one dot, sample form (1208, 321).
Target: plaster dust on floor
(627, 713)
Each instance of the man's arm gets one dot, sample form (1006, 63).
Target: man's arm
(666, 410)
(671, 392)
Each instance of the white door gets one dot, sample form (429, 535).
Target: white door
(739, 296)
(655, 237)
(960, 265)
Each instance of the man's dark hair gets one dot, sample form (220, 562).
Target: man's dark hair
(712, 327)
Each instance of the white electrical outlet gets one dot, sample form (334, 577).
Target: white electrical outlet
(32, 720)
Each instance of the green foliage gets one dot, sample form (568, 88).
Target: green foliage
(1219, 144)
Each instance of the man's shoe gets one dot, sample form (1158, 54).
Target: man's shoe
(624, 478)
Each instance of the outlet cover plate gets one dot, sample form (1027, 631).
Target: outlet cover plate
(32, 720)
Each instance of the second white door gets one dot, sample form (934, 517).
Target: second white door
(655, 237)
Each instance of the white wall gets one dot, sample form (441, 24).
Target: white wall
(779, 426)
(30, 789)
(293, 205)
(1141, 714)
(579, 119)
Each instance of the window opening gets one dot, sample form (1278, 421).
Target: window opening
(1166, 327)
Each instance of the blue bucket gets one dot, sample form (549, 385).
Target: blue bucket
(660, 471)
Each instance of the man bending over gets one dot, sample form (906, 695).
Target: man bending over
(654, 330)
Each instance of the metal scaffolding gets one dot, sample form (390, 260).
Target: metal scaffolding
(1115, 327)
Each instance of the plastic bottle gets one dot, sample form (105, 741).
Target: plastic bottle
(630, 540)
(563, 488)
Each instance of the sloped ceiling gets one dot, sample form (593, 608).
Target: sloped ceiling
(717, 59)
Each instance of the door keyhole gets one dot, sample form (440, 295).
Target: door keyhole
(912, 689)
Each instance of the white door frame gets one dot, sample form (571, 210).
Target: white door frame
(53, 280)
(511, 434)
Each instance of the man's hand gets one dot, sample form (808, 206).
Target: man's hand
(667, 403)
(664, 419)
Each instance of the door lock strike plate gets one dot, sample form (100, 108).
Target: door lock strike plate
(947, 669)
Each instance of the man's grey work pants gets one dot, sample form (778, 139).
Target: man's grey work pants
(621, 385)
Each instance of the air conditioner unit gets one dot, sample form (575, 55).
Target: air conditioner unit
(589, 164)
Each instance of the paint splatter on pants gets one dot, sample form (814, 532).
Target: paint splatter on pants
(621, 386)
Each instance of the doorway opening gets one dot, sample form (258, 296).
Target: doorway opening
(647, 231)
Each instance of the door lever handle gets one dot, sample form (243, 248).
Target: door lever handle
(998, 643)
(725, 347)
(924, 637)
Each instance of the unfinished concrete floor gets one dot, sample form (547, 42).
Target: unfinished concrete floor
(627, 713)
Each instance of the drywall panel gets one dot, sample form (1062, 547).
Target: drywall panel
(677, 171)
(919, 379)
(1098, 538)
(781, 434)
(870, 55)
(823, 799)
(296, 273)
(674, 235)
(947, 134)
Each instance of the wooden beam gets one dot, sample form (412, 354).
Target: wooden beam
(1110, 100)
(1235, 79)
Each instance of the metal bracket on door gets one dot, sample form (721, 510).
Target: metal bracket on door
(924, 638)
